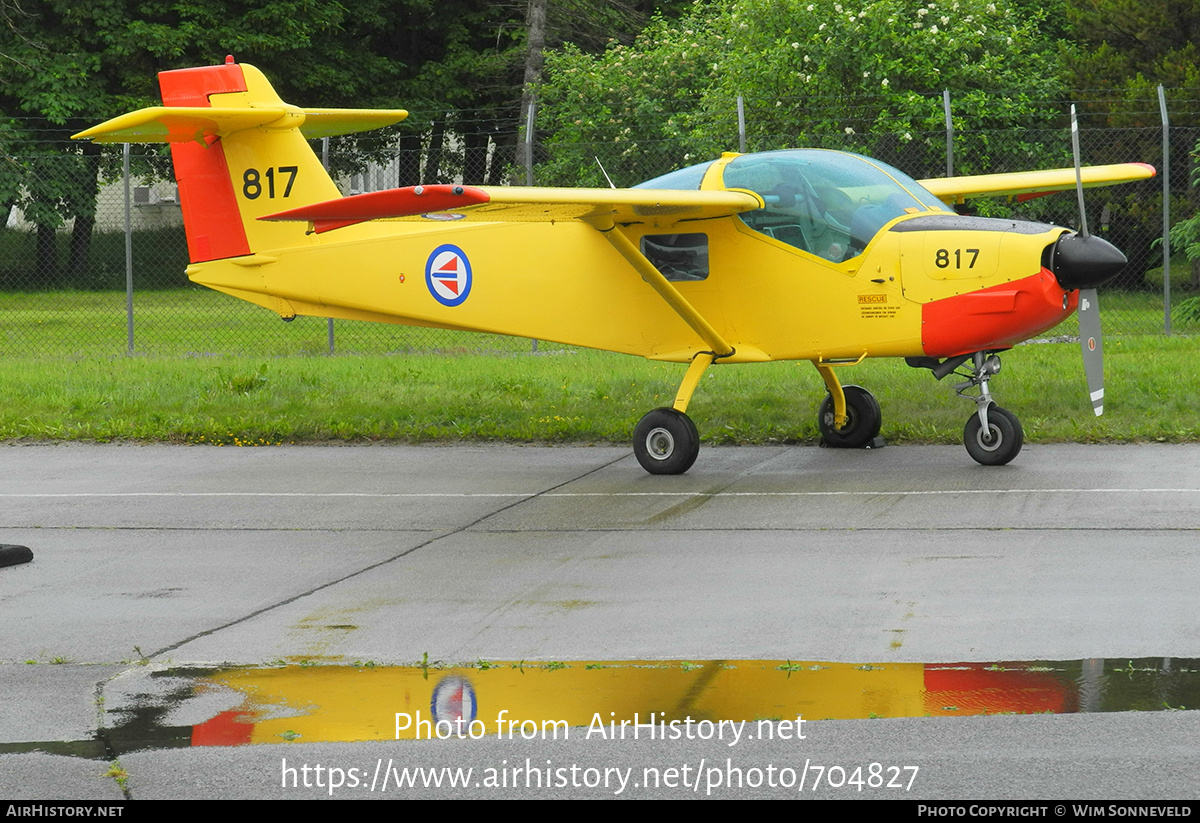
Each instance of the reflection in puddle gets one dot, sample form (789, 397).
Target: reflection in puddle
(321, 703)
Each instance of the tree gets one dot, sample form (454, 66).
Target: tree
(66, 65)
(808, 71)
(1119, 52)
(1131, 44)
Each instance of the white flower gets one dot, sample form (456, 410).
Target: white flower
(821, 27)
(811, 7)
(945, 21)
(866, 74)
(906, 137)
(849, 130)
(837, 7)
(884, 83)
(795, 45)
(807, 59)
(922, 12)
(933, 29)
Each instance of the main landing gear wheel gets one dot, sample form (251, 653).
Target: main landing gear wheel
(1000, 443)
(861, 428)
(666, 442)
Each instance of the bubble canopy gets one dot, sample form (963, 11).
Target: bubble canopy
(826, 203)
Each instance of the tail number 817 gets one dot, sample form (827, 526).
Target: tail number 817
(252, 182)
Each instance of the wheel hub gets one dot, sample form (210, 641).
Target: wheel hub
(660, 444)
(990, 438)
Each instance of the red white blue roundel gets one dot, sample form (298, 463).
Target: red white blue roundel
(448, 275)
(453, 701)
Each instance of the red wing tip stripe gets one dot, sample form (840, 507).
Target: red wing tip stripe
(378, 205)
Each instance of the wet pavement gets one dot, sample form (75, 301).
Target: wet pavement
(188, 606)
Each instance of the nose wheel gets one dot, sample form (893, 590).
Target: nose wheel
(997, 443)
(993, 436)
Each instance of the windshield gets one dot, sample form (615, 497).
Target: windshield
(688, 179)
(827, 203)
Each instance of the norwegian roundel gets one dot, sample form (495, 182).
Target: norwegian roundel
(448, 275)
(453, 701)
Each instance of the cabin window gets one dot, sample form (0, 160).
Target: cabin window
(678, 256)
(829, 204)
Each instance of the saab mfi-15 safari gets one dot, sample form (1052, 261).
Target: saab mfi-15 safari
(810, 255)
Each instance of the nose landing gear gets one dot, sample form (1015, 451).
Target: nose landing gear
(993, 436)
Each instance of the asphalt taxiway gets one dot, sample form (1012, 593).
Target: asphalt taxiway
(148, 557)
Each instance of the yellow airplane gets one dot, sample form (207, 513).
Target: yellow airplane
(810, 255)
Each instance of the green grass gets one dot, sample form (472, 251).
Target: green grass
(569, 396)
(198, 321)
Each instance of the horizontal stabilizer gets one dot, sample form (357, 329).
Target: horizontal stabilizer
(178, 124)
(320, 123)
(522, 204)
(1027, 184)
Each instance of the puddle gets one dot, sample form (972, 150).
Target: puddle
(153, 709)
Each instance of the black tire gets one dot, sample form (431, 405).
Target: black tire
(1001, 444)
(864, 415)
(666, 442)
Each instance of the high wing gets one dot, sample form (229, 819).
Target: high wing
(1029, 184)
(521, 204)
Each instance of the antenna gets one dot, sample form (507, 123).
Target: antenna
(611, 185)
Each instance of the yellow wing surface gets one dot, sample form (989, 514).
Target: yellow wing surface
(522, 205)
(1027, 184)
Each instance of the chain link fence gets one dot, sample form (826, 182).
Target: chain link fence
(74, 282)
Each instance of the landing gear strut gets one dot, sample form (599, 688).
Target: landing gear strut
(993, 436)
(665, 440)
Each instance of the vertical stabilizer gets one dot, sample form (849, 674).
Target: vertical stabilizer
(229, 179)
(240, 153)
